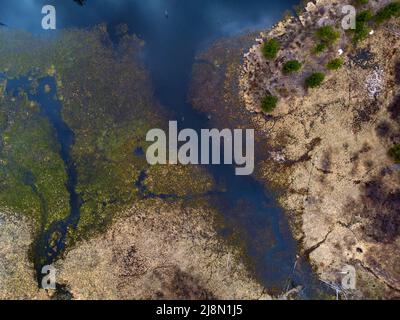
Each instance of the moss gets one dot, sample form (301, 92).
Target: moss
(162, 180)
(109, 115)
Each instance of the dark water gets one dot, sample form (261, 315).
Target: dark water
(174, 31)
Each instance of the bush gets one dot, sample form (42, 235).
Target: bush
(361, 31)
(269, 103)
(359, 3)
(319, 48)
(291, 66)
(387, 12)
(327, 35)
(395, 153)
(335, 64)
(315, 80)
(270, 49)
(364, 17)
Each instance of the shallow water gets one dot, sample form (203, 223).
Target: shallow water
(174, 31)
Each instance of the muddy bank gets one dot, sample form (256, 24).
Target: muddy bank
(17, 276)
(159, 250)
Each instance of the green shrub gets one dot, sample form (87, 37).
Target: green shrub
(394, 153)
(319, 48)
(291, 66)
(327, 35)
(335, 64)
(315, 80)
(270, 48)
(269, 103)
(387, 12)
(361, 31)
(359, 3)
(364, 17)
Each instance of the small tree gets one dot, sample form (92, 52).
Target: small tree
(394, 153)
(335, 64)
(319, 48)
(359, 3)
(361, 31)
(315, 80)
(270, 49)
(387, 12)
(269, 103)
(291, 66)
(327, 35)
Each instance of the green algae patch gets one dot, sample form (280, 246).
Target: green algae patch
(107, 102)
(178, 181)
(32, 174)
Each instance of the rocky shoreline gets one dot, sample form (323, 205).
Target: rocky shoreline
(329, 146)
(323, 150)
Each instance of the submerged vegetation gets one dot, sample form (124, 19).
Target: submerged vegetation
(109, 116)
(32, 175)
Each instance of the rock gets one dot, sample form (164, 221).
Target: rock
(311, 7)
